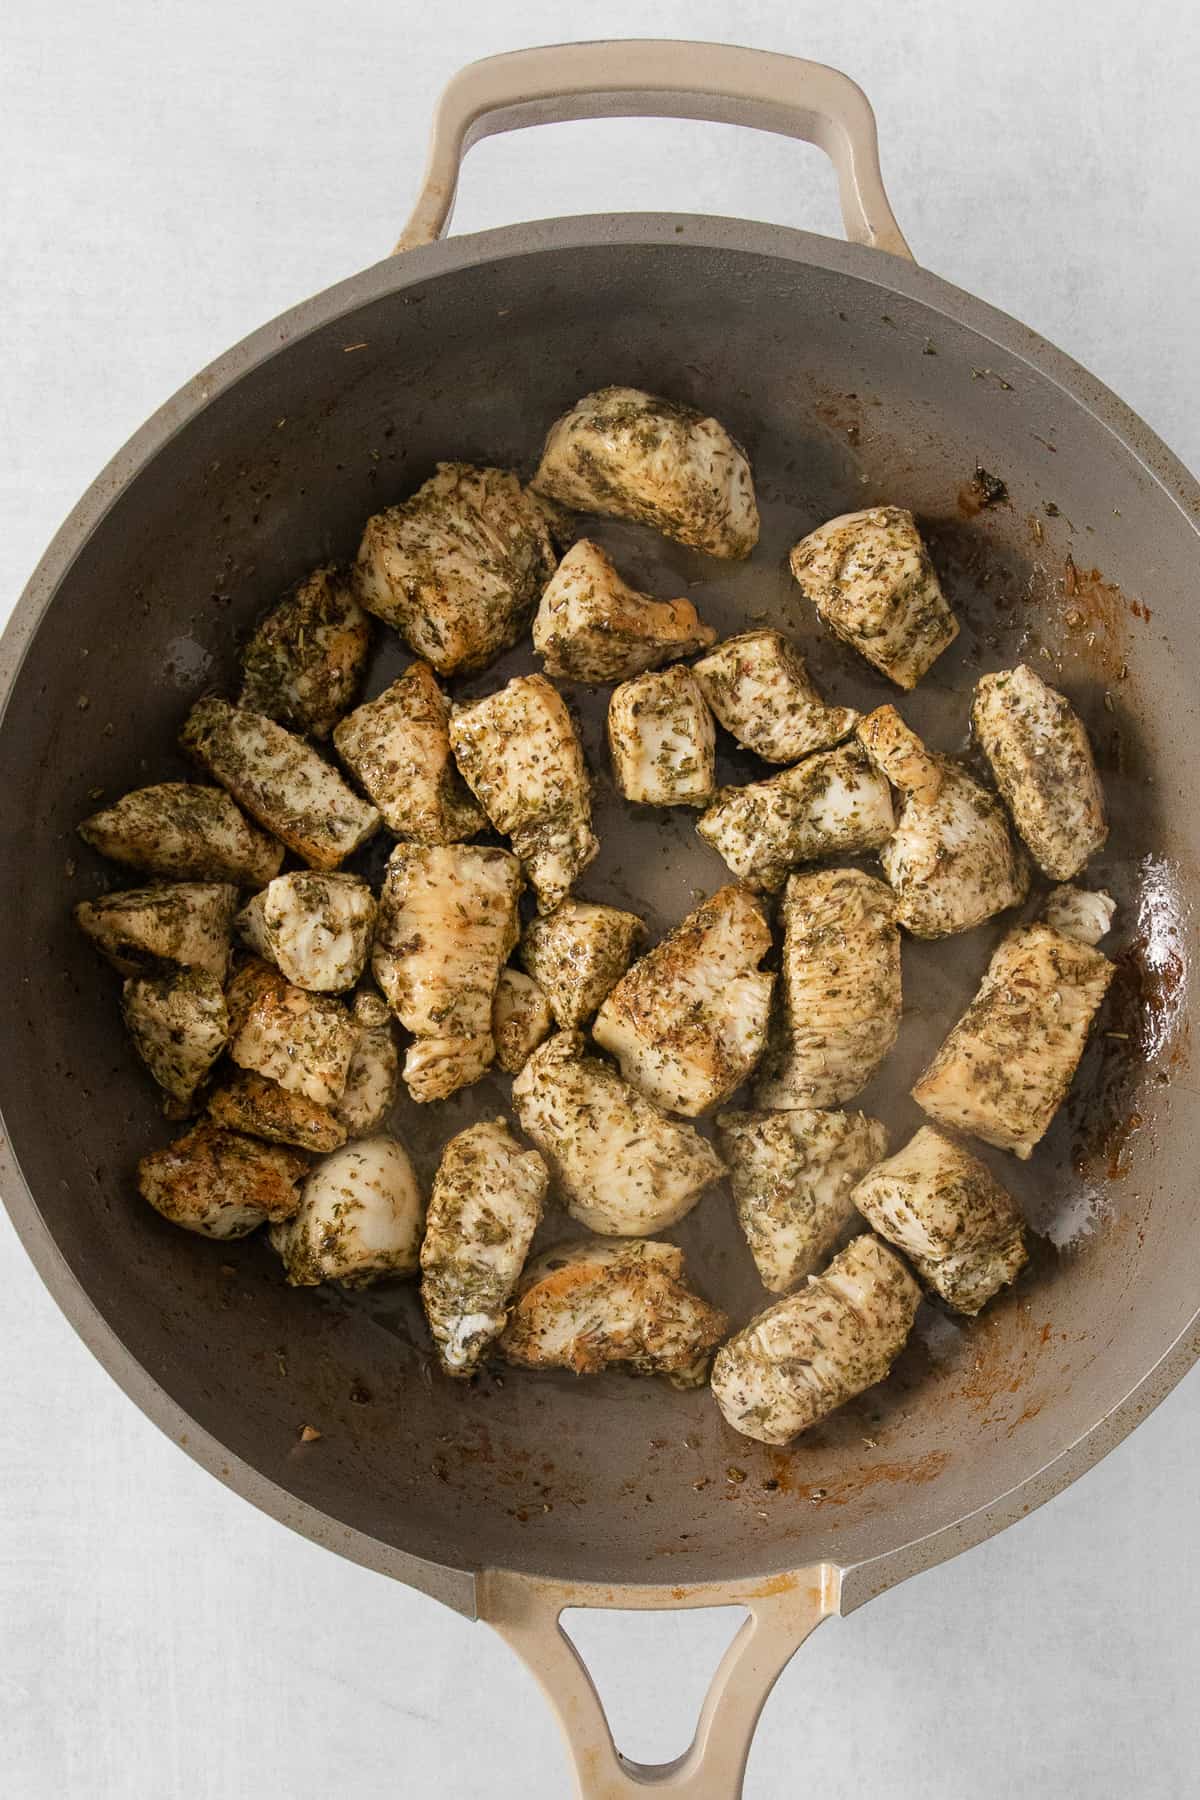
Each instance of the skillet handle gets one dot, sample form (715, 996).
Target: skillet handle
(782, 1612)
(660, 78)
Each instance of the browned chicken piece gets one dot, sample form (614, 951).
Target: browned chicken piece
(183, 924)
(373, 1078)
(870, 578)
(303, 1041)
(359, 1218)
(248, 1102)
(689, 1021)
(250, 929)
(180, 831)
(179, 1025)
(958, 1227)
(1085, 914)
(593, 627)
(832, 804)
(594, 1303)
(304, 664)
(458, 567)
(317, 928)
(1042, 760)
(662, 741)
(761, 692)
(522, 1018)
(577, 954)
(221, 1184)
(817, 1348)
(398, 746)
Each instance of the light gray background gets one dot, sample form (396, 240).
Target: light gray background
(174, 174)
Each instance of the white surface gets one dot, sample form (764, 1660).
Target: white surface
(174, 175)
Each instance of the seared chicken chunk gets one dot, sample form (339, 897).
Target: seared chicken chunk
(830, 804)
(183, 832)
(793, 1175)
(632, 455)
(281, 780)
(819, 1347)
(662, 741)
(186, 924)
(577, 954)
(951, 860)
(840, 990)
(359, 1218)
(524, 763)
(317, 927)
(589, 1304)
(303, 1041)
(179, 1026)
(399, 748)
(304, 664)
(957, 1226)
(761, 692)
(593, 627)
(870, 578)
(522, 1018)
(447, 922)
(373, 1077)
(623, 1166)
(249, 927)
(458, 567)
(1005, 1068)
(485, 1207)
(221, 1184)
(689, 1020)
(249, 1102)
(1042, 760)
(1085, 914)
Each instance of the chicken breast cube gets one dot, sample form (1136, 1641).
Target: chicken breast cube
(485, 1207)
(591, 1304)
(359, 1218)
(591, 626)
(250, 1103)
(1007, 1065)
(303, 1041)
(1085, 914)
(793, 1176)
(957, 1226)
(633, 455)
(184, 832)
(373, 1078)
(811, 1352)
(219, 1183)
(398, 746)
(249, 927)
(689, 1021)
(761, 692)
(458, 567)
(524, 763)
(447, 922)
(281, 780)
(577, 954)
(951, 860)
(831, 804)
(304, 664)
(662, 740)
(1042, 760)
(179, 1026)
(522, 1018)
(839, 989)
(186, 924)
(623, 1167)
(318, 928)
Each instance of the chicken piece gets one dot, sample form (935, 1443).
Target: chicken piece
(951, 859)
(303, 1041)
(286, 784)
(761, 692)
(590, 1304)
(458, 566)
(524, 764)
(812, 1351)
(1042, 760)
(179, 1026)
(870, 578)
(1005, 1068)
(577, 954)
(689, 1021)
(399, 748)
(260, 1108)
(623, 1166)
(662, 740)
(219, 1183)
(522, 1018)
(305, 663)
(317, 928)
(1085, 914)
(485, 1207)
(632, 455)
(957, 1226)
(840, 991)
(447, 922)
(830, 804)
(183, 832)
(249, 928)
(185, 924)
(373, 1078)
(793, 1176)
(593, 627)
(359, 1218)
